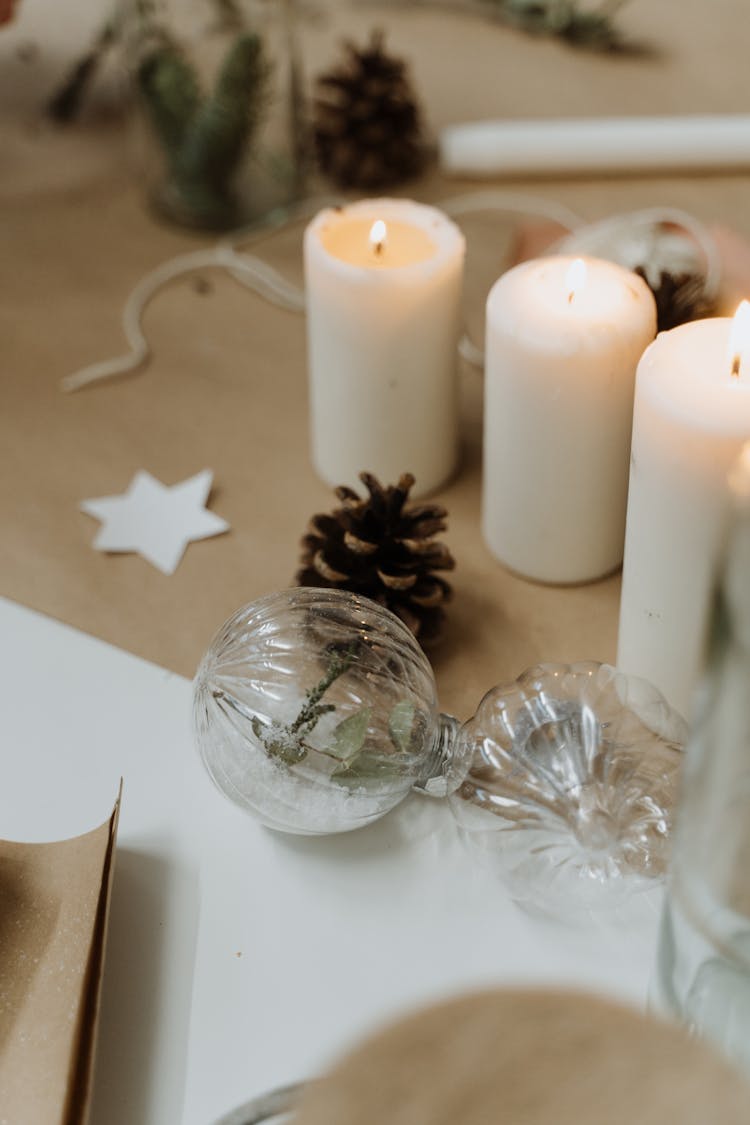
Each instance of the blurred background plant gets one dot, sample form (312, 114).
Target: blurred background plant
(203, 91)
(226, 129)
(580, 24)
(219, 107)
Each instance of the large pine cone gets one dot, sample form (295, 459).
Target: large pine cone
(377, 547)
(367, 126)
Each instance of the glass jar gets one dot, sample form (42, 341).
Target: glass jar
(219, 107)
(703, 964)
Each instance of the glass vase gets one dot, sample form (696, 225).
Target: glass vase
(703, 965)
(219, 108)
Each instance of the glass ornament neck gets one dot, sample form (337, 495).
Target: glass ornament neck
(448, 760)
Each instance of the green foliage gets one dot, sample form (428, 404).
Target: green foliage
(368, 767)
(279, 743)
(204, 136)
(579, 25)
(170, 92)
(224, 122)
(361, 765)
(401, 725)
(349, 736)
(339, 661)
(287, 743)
(356, 764)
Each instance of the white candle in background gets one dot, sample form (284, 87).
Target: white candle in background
(563, 340)
(383, 281)
(691, 419)
(598, 144)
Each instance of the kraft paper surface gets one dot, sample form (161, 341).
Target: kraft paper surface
(226, 388)
(529, 1058)
(54, 900)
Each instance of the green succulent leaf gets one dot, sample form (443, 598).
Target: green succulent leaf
(369, 768)
(401, 725)
(349, 736)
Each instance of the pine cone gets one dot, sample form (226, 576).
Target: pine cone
(383, 550)
(679, 297)
(367, 126)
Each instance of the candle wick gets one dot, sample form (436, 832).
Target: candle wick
(378, 249)
(571, 295)
(736, 366)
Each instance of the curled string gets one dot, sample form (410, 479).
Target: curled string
(248, 269)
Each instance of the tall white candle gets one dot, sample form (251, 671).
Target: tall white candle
(598, 144)
(563, 340)
(383, 310)
(691, 418)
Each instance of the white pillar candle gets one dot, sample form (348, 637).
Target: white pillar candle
(604, 144)
(563, 340)
(383, 309)
(691, 419)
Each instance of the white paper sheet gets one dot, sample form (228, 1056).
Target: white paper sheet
(238, 958)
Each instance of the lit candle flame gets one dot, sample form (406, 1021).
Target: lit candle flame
(575, 278)
(739, 338)
(378, 232)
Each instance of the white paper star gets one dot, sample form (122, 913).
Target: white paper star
(156, 520)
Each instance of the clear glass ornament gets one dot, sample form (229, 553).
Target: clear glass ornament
(316, 711)
(572, 783)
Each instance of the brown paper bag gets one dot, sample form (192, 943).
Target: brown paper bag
(54, 901)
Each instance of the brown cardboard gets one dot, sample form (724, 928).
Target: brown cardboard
(54, 901)
(227, 386)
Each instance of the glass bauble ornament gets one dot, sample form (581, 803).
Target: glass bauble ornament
(572, 783)
(316, 711)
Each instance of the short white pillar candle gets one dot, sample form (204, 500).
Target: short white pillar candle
(691, 420)
(563, 340)
(383, 280)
